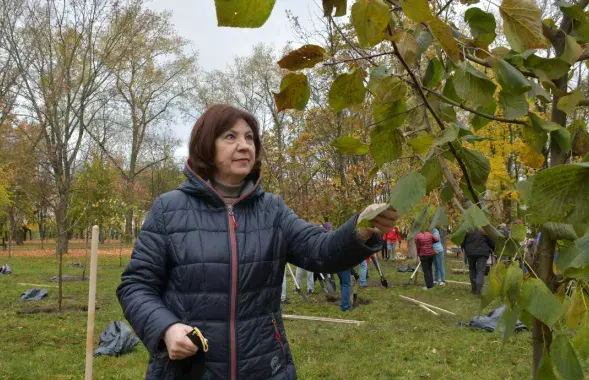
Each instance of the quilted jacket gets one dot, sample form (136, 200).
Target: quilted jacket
(219, 267)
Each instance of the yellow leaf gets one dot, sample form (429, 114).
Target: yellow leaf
(531, 158)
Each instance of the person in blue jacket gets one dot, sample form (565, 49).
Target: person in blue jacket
(210, 258)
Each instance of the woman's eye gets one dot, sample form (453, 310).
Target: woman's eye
(249, 137)
(230, 137)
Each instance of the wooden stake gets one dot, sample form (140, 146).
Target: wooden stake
(91, 304)
(426, 304)
(37, 285)
(428, 309)
(458, 282)
(321, 319)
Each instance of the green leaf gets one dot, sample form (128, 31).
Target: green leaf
(477, 165)
(572, 50)
(473, 85)
(447, 135)
(580, 137)
(565, 359)
(510, 78)
(339, 5)
(388, 89)
(417, 10)
(370, 18)
(569, 102)
(350, 145)
(563, 139)
(472, 138)
(364, 222)
(424, 40)
(539, 92)
(513, 105)
(553, 68)
(560, 195)
(433, 73)
(243, 13)
(386, 144)
(439, 219)
(494, 289)
(539, 301)
(579, 265)
(432, 171)
(482, 24)
(560, 231)
(450, 91)
(518, 233)
(526, 318)
(305, 57)
(409, 190)
(566, 254)
(447, 193)
(545, 370)
(522, 24)
(418, 223)
(294, 92)
(447, 113)
(390, 115)
(511, 286)
(443, 33)
(460, 233)
(378, 74)
(421, 145)
(511, 316)
(478, 189)
(408, 47)
(574, 11)
(506, 247)
(479, 122)
(347, 90)
(525, 188)
(535, 134)
(581, 339)
(475, 217)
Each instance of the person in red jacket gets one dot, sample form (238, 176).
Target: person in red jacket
(392, 239)
(425, 250)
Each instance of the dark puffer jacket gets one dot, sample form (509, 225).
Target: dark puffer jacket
(219, 267)
(476, 243)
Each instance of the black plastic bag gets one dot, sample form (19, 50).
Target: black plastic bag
(490, 322)
(33, 295)
(117, 339)
(406, 268)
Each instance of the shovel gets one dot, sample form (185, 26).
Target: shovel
(383, 281)
(297, 287)
(411, 278)
(327, 285)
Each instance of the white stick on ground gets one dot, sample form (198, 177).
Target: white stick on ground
(458, 282)
(428, 309)
(39, 285)
(91, 304)
(321, 319)
(427, 304)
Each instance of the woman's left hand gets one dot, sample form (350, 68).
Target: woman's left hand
(382, 223)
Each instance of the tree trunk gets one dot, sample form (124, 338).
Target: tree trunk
(411, 248)
(128, 226)
(100, 234)
(62, 240)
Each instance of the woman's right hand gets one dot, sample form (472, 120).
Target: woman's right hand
(179, 346)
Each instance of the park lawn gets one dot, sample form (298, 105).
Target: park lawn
(397, 341)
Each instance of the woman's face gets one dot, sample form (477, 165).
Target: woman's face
(235, 153)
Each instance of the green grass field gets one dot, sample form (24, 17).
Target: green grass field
(397, 341)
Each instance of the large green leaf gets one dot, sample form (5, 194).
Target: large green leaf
(243, 13)
(539, 92)
(350, 145)
(511, 315)
(518, 233)
(294, 92)
(581, 339)
(305, 57)
(378, 74)
(511, 285)
(574, 11)
(419, 223)
(506, 247)
(560, 231)
(339, 5)
(424, 40)
(347, 90)
(475, 217)
(432, 171)
(535, 134)
(447, 193)
(572, 50)
(494, 289)
(443, 33)
(553, 68)
(390, 115)
(539, 301)
(421, 145)
(460, 233)
(388, 89)
(565, 359)
(569, 102)
(478, 189)
(370, 18)
(578, 267)
(513, 105)
(478, 121)
(386, 144)
(433, 73)
(477, 165)
(510, 78)
(560, 195)
(439, 219)
(409, 190)
(447, 135)
(525, 188)
(545, 370)
(522, 24)
(563, 139)
(417, 10)
(408, 48)
(450, 92)
(482, 24)
(473, 85)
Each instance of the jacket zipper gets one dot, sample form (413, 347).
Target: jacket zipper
(232, 227)
(277, 335)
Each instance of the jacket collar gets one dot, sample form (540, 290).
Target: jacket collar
(196, 186)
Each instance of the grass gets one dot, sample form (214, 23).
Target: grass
(397, 341)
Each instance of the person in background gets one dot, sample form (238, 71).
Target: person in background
(425, 251)
(393, 240)
(439, 270)
(283, 299)
(503, 229)
(364, 273)
(310, 281)
(477, 247)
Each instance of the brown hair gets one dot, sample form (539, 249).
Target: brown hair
(216, 120)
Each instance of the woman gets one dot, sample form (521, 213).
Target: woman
(440, 271)
(425, 250)
(211, 256)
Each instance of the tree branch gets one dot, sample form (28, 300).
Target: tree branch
(357, 59)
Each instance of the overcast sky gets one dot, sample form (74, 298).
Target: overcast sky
(196, 20)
